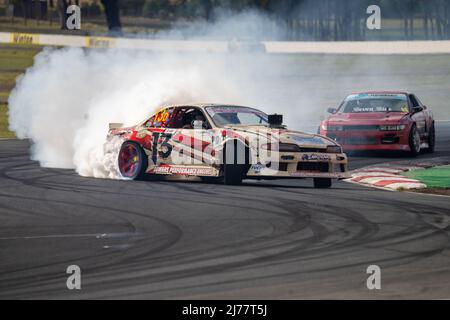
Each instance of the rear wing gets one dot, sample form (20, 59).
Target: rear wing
(114, 126)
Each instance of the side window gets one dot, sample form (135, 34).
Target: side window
(413, 100)
(183, 118)
(161, 119)
(418, 101)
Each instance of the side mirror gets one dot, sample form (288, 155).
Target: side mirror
(417, 109)
(332, 110)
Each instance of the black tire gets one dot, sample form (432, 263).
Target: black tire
(139, 161)
(322, 183)
(234, 172)
(431, 139)
(414, 141)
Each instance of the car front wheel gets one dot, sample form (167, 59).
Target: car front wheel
(233, 170)
(414, 141)
(431, 139)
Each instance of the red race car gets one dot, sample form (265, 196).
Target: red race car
(381, 120)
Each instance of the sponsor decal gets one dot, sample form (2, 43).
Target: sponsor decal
(257, 167)
(24, 38)
(375, 95)
(315, 157)
(100, 42)
(183, 171)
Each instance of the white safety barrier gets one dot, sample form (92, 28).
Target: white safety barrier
(342, 47)
(361, 47)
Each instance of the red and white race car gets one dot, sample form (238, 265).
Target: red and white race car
(381, 120)
(228, 142)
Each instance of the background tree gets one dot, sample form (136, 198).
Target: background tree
(112, 16)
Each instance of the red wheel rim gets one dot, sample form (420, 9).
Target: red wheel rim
(129, 161)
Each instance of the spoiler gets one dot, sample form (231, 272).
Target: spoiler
(113, 126)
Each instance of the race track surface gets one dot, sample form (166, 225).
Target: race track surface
(274, 239)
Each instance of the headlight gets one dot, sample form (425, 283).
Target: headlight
(334, 149)
(396, 127)
(335, 128)
(281, 147)
(323, 126)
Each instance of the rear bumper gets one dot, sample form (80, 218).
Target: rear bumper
(371, 140)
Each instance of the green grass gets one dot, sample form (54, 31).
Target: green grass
(4, 95)
(4, 132)
(14, 60)
(437, 177)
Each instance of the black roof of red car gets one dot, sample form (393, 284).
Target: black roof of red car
(381, 92)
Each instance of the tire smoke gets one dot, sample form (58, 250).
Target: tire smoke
(64, 102)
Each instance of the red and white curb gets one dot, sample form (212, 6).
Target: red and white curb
(388, 177)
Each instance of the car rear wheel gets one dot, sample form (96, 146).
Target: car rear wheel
(233, 170)
(431, 139)
(132, 161)
(322, 183)
(414, 141)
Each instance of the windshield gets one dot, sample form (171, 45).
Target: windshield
(231, 115)
(357, 103)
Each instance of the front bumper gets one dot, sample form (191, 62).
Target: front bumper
(370, 140)
(303, 165)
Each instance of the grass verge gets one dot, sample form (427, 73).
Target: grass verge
(14, 59)
(437, 179)
(4, 132)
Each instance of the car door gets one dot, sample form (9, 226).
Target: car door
(192, 137)
(418, 115)
(158, 135)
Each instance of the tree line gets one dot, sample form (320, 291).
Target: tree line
(322, 20)
(317, 20)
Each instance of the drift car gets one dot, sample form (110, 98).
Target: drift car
(225, 142)
(381, 120)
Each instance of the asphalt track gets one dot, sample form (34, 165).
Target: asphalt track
(275, 239)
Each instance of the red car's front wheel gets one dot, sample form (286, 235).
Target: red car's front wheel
(132, 161)
(414, 141)
(431, 139)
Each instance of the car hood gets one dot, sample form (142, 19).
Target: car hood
(367, 117)
(286, 136)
